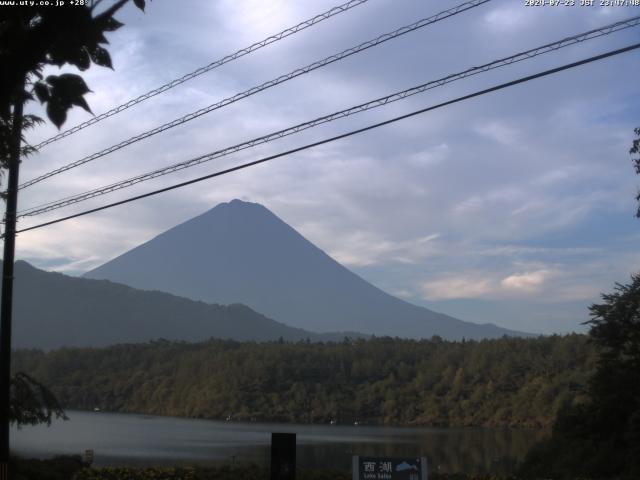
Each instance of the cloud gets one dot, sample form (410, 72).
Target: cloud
(430, 156)
(499, 132)
(253, 20)
(81, 244)
(360, 249)
(485, 285)
(506, 19)
(468, 286)
(527, 282)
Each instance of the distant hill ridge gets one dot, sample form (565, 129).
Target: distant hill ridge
(240, 252)
(53, 310)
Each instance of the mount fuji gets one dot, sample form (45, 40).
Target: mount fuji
(240, 252)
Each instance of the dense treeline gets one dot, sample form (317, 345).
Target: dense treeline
(600, 438)
(504, 382)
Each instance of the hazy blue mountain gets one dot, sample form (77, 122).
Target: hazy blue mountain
(53, 310)
(240, 252)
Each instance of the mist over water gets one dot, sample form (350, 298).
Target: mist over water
(129, 439)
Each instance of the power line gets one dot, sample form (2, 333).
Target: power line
(271, 83)
(341, 136)
(207, 68)
(550, 47)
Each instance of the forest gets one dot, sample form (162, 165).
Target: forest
(515, 382)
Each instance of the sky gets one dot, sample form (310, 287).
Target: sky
(515, 208)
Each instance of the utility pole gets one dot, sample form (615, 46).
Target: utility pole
(6, 302)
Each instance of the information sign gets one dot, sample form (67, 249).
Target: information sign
(389, 468)
(88, 457)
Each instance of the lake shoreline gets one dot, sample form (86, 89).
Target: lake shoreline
(147, 440)
(261, 421)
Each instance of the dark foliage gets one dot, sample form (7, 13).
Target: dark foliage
(601, 438)
(635, 150)
(58, 468)
(504, 382)
(31, 402)
(71, 468)
(245, 472)
(34, 37)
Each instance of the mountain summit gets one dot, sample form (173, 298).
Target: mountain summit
(241, 252)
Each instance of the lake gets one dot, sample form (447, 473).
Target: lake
(129, 439)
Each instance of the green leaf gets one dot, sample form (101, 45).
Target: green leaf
(66, 90)
(111, 25)
(56, 112)
(82, 60)
(42, 91)
(100, 38)
(100, 56)
(31, 121)
(81, 102)
(52, 80)
(71, 84)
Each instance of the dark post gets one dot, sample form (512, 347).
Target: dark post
(283, 456)
(7, 283)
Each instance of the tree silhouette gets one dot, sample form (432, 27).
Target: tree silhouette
(601, 438)
(635, 150)
(32, 403)
(32, 38)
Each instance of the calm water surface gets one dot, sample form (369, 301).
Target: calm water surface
(127, 439)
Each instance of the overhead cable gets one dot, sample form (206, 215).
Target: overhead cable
(271, 83)
(550, 47)
(341, 136)
(207, 68)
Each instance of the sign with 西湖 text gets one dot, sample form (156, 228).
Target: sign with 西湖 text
(389, 468)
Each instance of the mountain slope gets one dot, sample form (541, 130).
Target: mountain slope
(53, 310)
(240, 252)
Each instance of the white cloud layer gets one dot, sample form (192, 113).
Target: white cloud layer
(526, 282)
